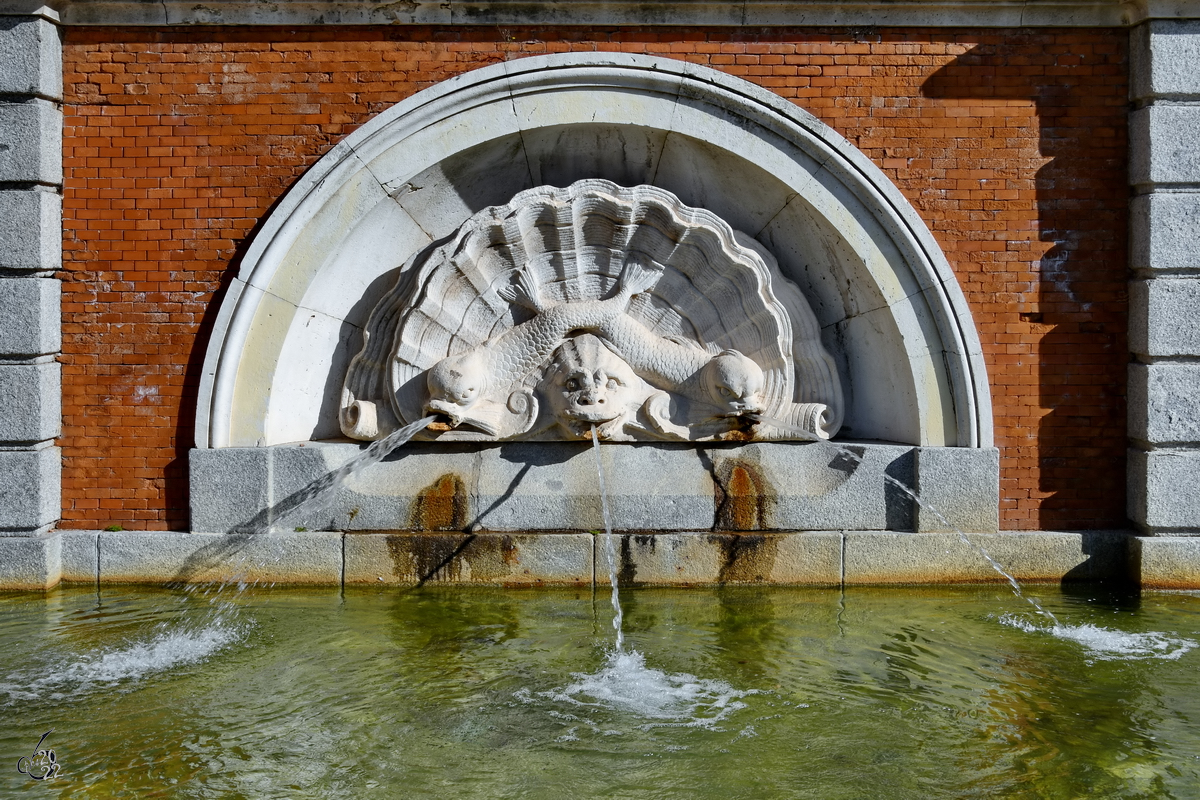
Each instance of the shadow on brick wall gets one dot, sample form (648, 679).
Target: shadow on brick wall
(1066, 460)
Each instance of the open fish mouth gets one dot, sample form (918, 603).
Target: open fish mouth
(445, 410)
(594, 414)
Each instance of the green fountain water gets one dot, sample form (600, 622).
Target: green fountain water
(949, 692)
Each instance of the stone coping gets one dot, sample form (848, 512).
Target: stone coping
(814, 558)
(753, 13)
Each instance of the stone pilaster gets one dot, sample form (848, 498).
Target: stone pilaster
(1164, 292)
(30, 253)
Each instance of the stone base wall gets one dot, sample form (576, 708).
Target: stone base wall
(1010, 143)
(553, 486)
(530, 558)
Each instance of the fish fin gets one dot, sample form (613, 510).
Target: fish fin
(523, 291)
(639, 275)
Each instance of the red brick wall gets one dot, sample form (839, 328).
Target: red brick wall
(1011, 145)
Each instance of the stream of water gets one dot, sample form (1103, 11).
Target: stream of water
(911, 493)
(609, 544)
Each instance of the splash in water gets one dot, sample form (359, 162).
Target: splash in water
(108, 667)
(625, 684)
(1110, 645)
(172, 647)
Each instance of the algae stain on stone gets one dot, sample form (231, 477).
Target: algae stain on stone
(745, 557)
(491, 557)
(421, 558)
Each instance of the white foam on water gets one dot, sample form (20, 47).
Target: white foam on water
(107, 667)
(1111, 645)
(627, 685)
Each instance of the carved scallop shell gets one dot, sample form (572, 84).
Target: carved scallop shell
(718, 290)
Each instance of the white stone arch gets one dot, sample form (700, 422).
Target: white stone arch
(891, 310)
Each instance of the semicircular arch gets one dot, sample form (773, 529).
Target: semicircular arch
(890, 309)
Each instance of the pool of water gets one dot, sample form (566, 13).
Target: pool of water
(723, 692)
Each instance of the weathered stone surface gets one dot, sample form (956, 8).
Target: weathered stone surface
(228, 487)
(31, 562)
(1163, 228)
(881, 558)
(811, 486)
(1164, 489)
(154, 557)
(1163, 56)
(31, 142)
(30, 310)
(1164, 144)
(504, 559)
(30, 402)
(1165, 562)
(1163, 318)
(30, 57)
(554, 487)
(959, 488)
(414, 488)
(810, 558)
(30, 489)
(30, 227)
(1033, 13)
(1164, 403)
(80, 555)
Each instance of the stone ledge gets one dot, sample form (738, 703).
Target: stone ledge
(501, 559)
(812, 558)
(80, 556)
(153, 557)
(553, 486)
(30, 562)
(1165, 562)
(974, 13)
(1036, 556)
(672, 559)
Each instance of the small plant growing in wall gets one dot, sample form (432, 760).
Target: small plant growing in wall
(114, 529)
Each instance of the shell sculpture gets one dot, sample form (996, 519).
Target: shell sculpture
(595, 306)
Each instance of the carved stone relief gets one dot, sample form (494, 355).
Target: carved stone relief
(597, 305)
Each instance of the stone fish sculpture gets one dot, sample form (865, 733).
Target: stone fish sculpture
(588, 305)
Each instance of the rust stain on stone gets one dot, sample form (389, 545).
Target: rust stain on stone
(744, 499)
(441, 506)
(746, 557)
